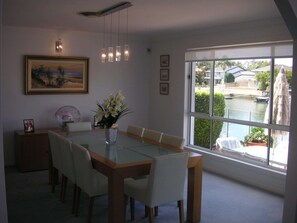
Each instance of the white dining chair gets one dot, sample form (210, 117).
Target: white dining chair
(165, 184)
(56, 157)
(135, 131)
(172, 140)
(79, 126)
(152, 135)
(68, 172)
(88, 179)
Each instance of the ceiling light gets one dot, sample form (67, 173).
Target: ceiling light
(126, 46)
(108, 54)
(110, 48)
(103, 50)
(118, 47)
(59, 46)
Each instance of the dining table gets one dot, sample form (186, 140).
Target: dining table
(131, 157)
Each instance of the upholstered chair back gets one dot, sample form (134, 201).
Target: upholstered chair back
(79, 126)
(167, 179)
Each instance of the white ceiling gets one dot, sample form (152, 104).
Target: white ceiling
(146, 17)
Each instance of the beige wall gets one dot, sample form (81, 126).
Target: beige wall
(131, 77)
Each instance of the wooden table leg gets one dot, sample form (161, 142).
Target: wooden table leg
(194, 192)
(116, 198)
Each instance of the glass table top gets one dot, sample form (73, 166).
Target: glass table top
(125, 150)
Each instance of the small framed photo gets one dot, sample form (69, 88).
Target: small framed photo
(164, 88)
(28, 125)
(164, 74)
(164, 60)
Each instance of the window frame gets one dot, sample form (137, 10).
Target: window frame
(190, 68)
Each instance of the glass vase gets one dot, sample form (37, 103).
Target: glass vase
(111, 135)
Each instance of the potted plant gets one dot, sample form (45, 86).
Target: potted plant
(256, 137)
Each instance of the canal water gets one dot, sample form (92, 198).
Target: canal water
(242, 108)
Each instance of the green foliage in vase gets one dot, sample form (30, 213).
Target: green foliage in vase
(112, 108)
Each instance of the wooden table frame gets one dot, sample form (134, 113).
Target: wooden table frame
(116, 174)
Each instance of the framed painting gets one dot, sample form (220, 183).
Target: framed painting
(164, 88)
(164, 74)
(164, 60)
(56, 75)
(28, 125)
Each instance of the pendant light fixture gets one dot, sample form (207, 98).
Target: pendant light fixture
(103, 50)
(59, 46)
(126, 46)
(109, 53)
(118, 47)
(110, 48)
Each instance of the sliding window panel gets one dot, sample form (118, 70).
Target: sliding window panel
(203, 78)
(278, 156)
(234, 142)
(244, 87)
(202, 130)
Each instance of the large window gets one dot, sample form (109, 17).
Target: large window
(240, 100)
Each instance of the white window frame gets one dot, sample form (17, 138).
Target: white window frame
(273, 50)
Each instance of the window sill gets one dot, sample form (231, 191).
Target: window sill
(259, 176)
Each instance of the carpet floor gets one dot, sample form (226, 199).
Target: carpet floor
(29, 200)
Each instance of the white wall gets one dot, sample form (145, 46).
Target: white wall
(131, 77)
(3, 206)
(172, 109)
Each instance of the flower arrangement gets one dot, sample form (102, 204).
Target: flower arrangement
(111, 110)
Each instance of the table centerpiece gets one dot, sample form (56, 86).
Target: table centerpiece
(109, 112)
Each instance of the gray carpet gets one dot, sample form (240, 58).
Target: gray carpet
(29, 200)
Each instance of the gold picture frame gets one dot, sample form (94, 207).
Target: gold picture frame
(56, 75)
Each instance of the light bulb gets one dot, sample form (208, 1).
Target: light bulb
(110, 54)
(118, 53)
(103, 55)
(126, 52)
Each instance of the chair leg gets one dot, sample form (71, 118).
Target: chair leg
(156, 211)
(91, 203)
(181, 211)
(151, 214)
(74, 199)
(146, 211)
(132, 208)
(77, 201)
(64, 189)
(53, 179)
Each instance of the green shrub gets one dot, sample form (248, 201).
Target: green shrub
(264, 79)
(203, 126)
